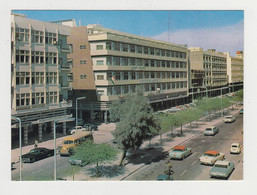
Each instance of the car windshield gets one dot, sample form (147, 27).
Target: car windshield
(208, 129)
(68, 142)
(220, 166)
(228, 117)
(234, 146)
(211, 155)
(176, 150)
(34, 151)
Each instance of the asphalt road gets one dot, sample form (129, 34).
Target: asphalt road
(42, 169)
(190, 168)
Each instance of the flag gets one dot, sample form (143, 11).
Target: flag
(113, 80)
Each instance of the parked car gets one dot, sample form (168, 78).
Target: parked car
(164, 177)
(180, 152)
(235, 148)
(222, 169)
(77, 162)
(211, 130)
(90, 127)
(75, 129)
(37, 154)
(241, 111)
(211, 156)
(229, 119)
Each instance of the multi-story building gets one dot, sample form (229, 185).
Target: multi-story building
(40, 75)
(212, 64)
(235, 70)
(109, 64)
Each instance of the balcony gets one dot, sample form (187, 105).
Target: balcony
(66, 49)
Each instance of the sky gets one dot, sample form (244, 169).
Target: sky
(220, 30)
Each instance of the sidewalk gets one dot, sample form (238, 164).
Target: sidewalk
(104, 135)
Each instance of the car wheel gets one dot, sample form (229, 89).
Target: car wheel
(48, 155)
(183, 157)
(32, 160)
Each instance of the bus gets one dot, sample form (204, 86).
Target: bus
(70, 142)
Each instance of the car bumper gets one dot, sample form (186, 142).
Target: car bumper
(218, 175)
(207, 163)
(176, 157)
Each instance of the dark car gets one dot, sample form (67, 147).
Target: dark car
(90, 127)
(37, 154)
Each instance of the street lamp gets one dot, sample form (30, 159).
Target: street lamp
(79, 98)
(55, 158)
(19, 120)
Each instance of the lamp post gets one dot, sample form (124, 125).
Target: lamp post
(221, 100)
(79, 98)
(55, 158)
(19, 120)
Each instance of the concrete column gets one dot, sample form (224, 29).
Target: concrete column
(64, 128)
(105, 117)
(52, 128)
(26, 134)
(40, 132)
(101, 115)
(80, 114)
(92, 115)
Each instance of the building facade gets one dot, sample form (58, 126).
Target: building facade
(235, 70)
(121, 63)
(40, 75)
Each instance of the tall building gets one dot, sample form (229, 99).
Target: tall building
(108, 65)
(235, 70)
(40, 75)
(211, 65)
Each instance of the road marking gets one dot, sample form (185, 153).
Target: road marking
(194, 153)
(183, 173)
(212, 147)
(194, 162)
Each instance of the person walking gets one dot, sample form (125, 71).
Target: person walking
(169, 170)
(36, 144)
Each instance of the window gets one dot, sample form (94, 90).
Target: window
(118, 90)
(109, 75)
(146, 63)
(124, 47)
(99, 47)
(168, 64)
(37, 78)
(83, 76)
(168, 53)
(157, 52)
(116, 46)
(109, 45)
(100, 92)
(100, 77)
(132, 48)
(163, 86)
(152, 87)
(117, 76)
(109, 61)
(146, 75)
(151, 51)
(125, 75)
(37, 57)
(152, 75)
(133, 75)
(51, 58)
(124, 62)
(22, 56)
(50, 38)
(99, 62)
(163, 75)
(162, 52)
(158, 63)
(22, 34)
(139, 49)
(139, 62)
(125, 89)
(146, 87)
(82, 46)
(51, 77)
(51, 97)
(163, 64)
(23, 99)
(146, 51)
(140, 75)
(132, 62)
(132, 88)
(116, 61)
(158, 75)
(152, 63)
(38, 98)
(22, 78)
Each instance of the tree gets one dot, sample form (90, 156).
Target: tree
(95, 153)
(136, 123)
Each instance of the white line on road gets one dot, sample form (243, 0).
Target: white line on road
(183, 173)
(194, 153)
(194, 162)
(211, 147)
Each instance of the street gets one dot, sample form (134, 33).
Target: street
(190, 168)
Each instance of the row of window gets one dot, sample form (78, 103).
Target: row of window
(125, 89)
(142, 75)
(121, 61)
(125, 47)
(23, 56)
(23, 78)
(36, 36)
(37, 98)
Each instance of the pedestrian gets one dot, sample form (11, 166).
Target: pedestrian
(169, 170)
(36, 144)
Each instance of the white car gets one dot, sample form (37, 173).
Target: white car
(211, 130)
(76, 129)
(235, 148)
(211, 156)
(229, 119)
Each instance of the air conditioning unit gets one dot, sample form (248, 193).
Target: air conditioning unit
(55, 42)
